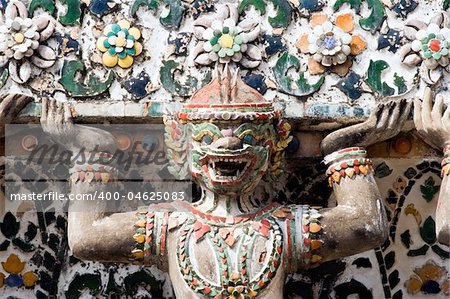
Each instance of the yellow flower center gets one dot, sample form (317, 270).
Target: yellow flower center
(19, 38)
(226, 41)
(121, 42)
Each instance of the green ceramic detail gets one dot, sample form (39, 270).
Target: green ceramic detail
(382, 170)
(441, 252)
(283, 11)
(445, 4)
(90, 87)
(374, 78)
(429, 189)
(399, 82)
(302, 87)
(81, 282)
(167, 77)
(45, 4)
(283, 16)
(428, 231)
(373, 22)
(421, 251)
(150, 4)
(356, 4)
(3, 77)
(172, 20)
(73, 12)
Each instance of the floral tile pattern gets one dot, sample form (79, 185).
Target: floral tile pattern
(337, 57)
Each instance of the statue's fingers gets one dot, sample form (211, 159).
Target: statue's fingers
(446, 119)
(6, 105)
(59, 112)
(438, 109)
(22, 102)
(51, 111)
(394, 115)
(418, 114)
(426, 106)
(44, 108)
(406, 110)
(67, 113)
(383, 120)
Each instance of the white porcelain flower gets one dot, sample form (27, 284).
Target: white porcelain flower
(20, 41)
(433, 45)
(329, 44)
(222, 39)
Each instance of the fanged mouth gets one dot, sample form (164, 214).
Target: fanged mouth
(230, 168)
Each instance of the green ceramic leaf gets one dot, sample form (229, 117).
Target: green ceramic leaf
(445, 4)
(373, 79)
(134, 280)
(373, 22)
(4, 245)
(399, 81)
(405, 237)
(80, 282)
(428, 231)
(31, 232)
(421, 251)
(283, 16)
(25, 247)
(73, 12)
(151, 4)
(173, 19)
(259, 5)
(10, 226)
(167, 77)
(90, 87)
(356, 4)
(285, 84)
(382, 170)
(3, 77)
(429, 189)
(48, 5)
(441, 252)
(112, 288)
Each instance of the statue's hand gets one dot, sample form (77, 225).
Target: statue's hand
(432, 122)
(385, 122)
(56, 121)
(10, 107)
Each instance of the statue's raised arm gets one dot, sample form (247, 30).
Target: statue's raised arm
(358, 222)
(94, 233)
(432, 122)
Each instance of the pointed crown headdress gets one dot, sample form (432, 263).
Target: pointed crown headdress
(226, 98)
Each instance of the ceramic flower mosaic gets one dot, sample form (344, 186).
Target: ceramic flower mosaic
(119, 44)
(22, 41)
(14, 267)
(224, 39)
(378, 48)
(429, 43)
(330, 45)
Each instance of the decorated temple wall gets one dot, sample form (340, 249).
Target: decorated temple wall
(36, 260)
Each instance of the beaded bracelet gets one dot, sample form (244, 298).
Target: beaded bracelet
(445, 164)
(346, 152)
(348, 163)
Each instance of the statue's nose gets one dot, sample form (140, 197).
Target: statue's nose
(231, 143)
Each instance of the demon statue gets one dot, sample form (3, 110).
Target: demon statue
(226, 245)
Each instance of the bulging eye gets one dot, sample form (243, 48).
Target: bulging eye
(248, 139)
(207, 139)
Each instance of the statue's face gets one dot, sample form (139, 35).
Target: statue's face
(230, 158)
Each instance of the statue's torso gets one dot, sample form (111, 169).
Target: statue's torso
(209, 259)
(234, 257)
